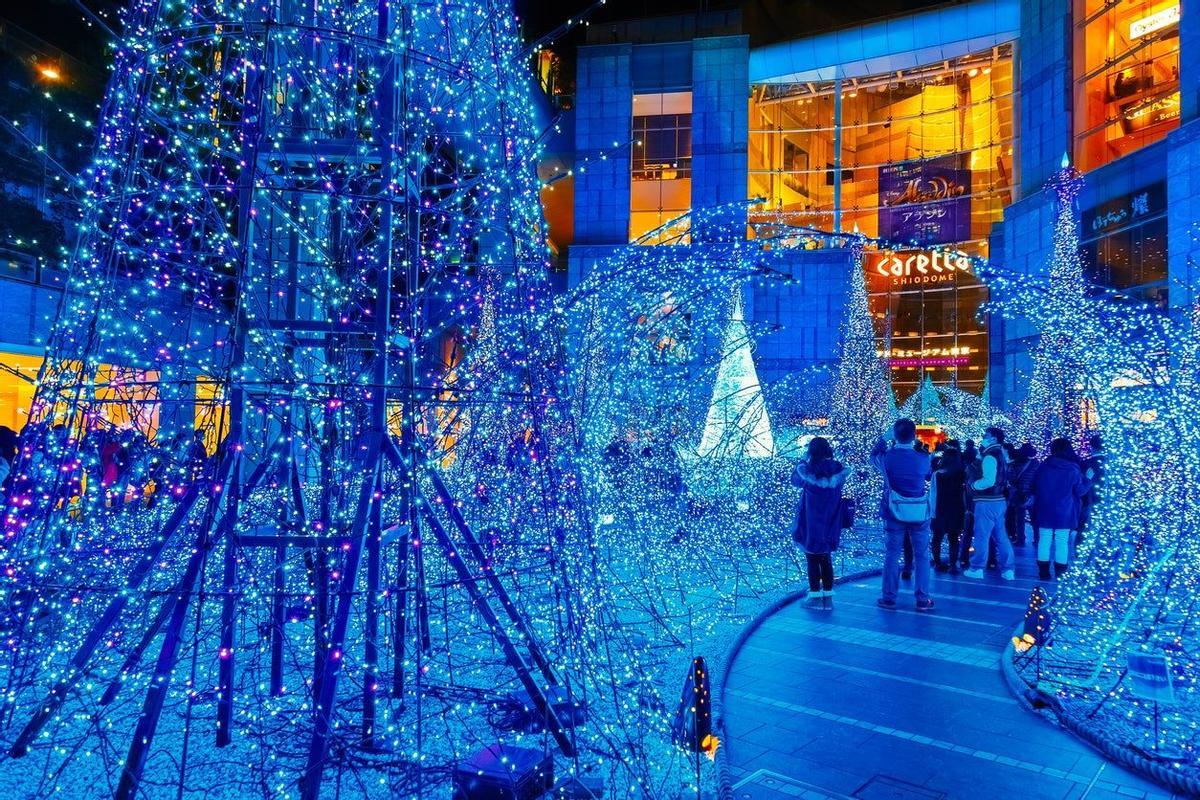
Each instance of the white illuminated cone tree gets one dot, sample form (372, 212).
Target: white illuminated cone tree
(737, 423)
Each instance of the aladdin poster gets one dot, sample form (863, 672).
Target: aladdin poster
(925, 202)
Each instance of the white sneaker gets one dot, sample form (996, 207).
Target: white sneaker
(973, 573)
(1008, 575)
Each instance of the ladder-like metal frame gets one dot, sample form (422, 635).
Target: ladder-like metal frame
(219, 522)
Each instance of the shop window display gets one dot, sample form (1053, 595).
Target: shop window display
(928, 324)
(1126, 77)
(1124, 243)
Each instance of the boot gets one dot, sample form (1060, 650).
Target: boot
(828, 600)
(955, 568)
(1059, 569)
(815, 600)
(1044, 570)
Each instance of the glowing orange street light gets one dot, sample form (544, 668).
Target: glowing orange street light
(50, 72)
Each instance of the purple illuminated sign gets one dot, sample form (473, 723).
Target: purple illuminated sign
(925, 202)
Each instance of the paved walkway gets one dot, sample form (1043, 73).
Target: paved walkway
(872, 704)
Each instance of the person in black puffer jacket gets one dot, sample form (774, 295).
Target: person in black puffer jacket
(1020, 478)
(949, 509)
(1093, 473)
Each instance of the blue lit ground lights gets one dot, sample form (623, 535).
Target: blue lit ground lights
(320, 476)
(1128, 371)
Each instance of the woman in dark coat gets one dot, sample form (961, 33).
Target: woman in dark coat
(1058, 487)
(819, 522)
(949, 509)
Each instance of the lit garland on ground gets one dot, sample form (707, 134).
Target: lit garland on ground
(238, 210)
(628, 552)
(693, 539)
(1133, 588)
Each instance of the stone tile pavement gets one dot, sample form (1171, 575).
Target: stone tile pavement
(865, 703)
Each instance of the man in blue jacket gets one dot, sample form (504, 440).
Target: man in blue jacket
(905, 471)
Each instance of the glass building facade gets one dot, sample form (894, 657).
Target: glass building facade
(1126, 77)
(923, 159)
(934, 132)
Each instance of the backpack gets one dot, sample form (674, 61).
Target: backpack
(909, 510)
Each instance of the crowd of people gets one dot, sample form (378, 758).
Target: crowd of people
(114, 468)
(959, 509)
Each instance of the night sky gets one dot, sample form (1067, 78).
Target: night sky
(61, 23)
(782, 17)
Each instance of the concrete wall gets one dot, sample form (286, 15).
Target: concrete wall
(1022, 244)
(1183, 169)
(1189, 61)
(1045, 98)
(720, 133)
(807, 310)
(716, 71)
(1183, 213)
(26, 315)
(603, 125)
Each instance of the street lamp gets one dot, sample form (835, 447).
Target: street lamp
(50, 72)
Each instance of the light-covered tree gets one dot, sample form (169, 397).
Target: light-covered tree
(1061, 400)
(863, 403)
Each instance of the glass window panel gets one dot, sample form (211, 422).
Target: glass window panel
(1153, 251)
(1092, 271)
(909, 319)
(969, 300)
(1127, 77)
(974, 348)
(661, 161)
(938, 308)
(1118, 259)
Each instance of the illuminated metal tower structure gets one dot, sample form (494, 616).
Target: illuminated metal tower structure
(291, 204)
